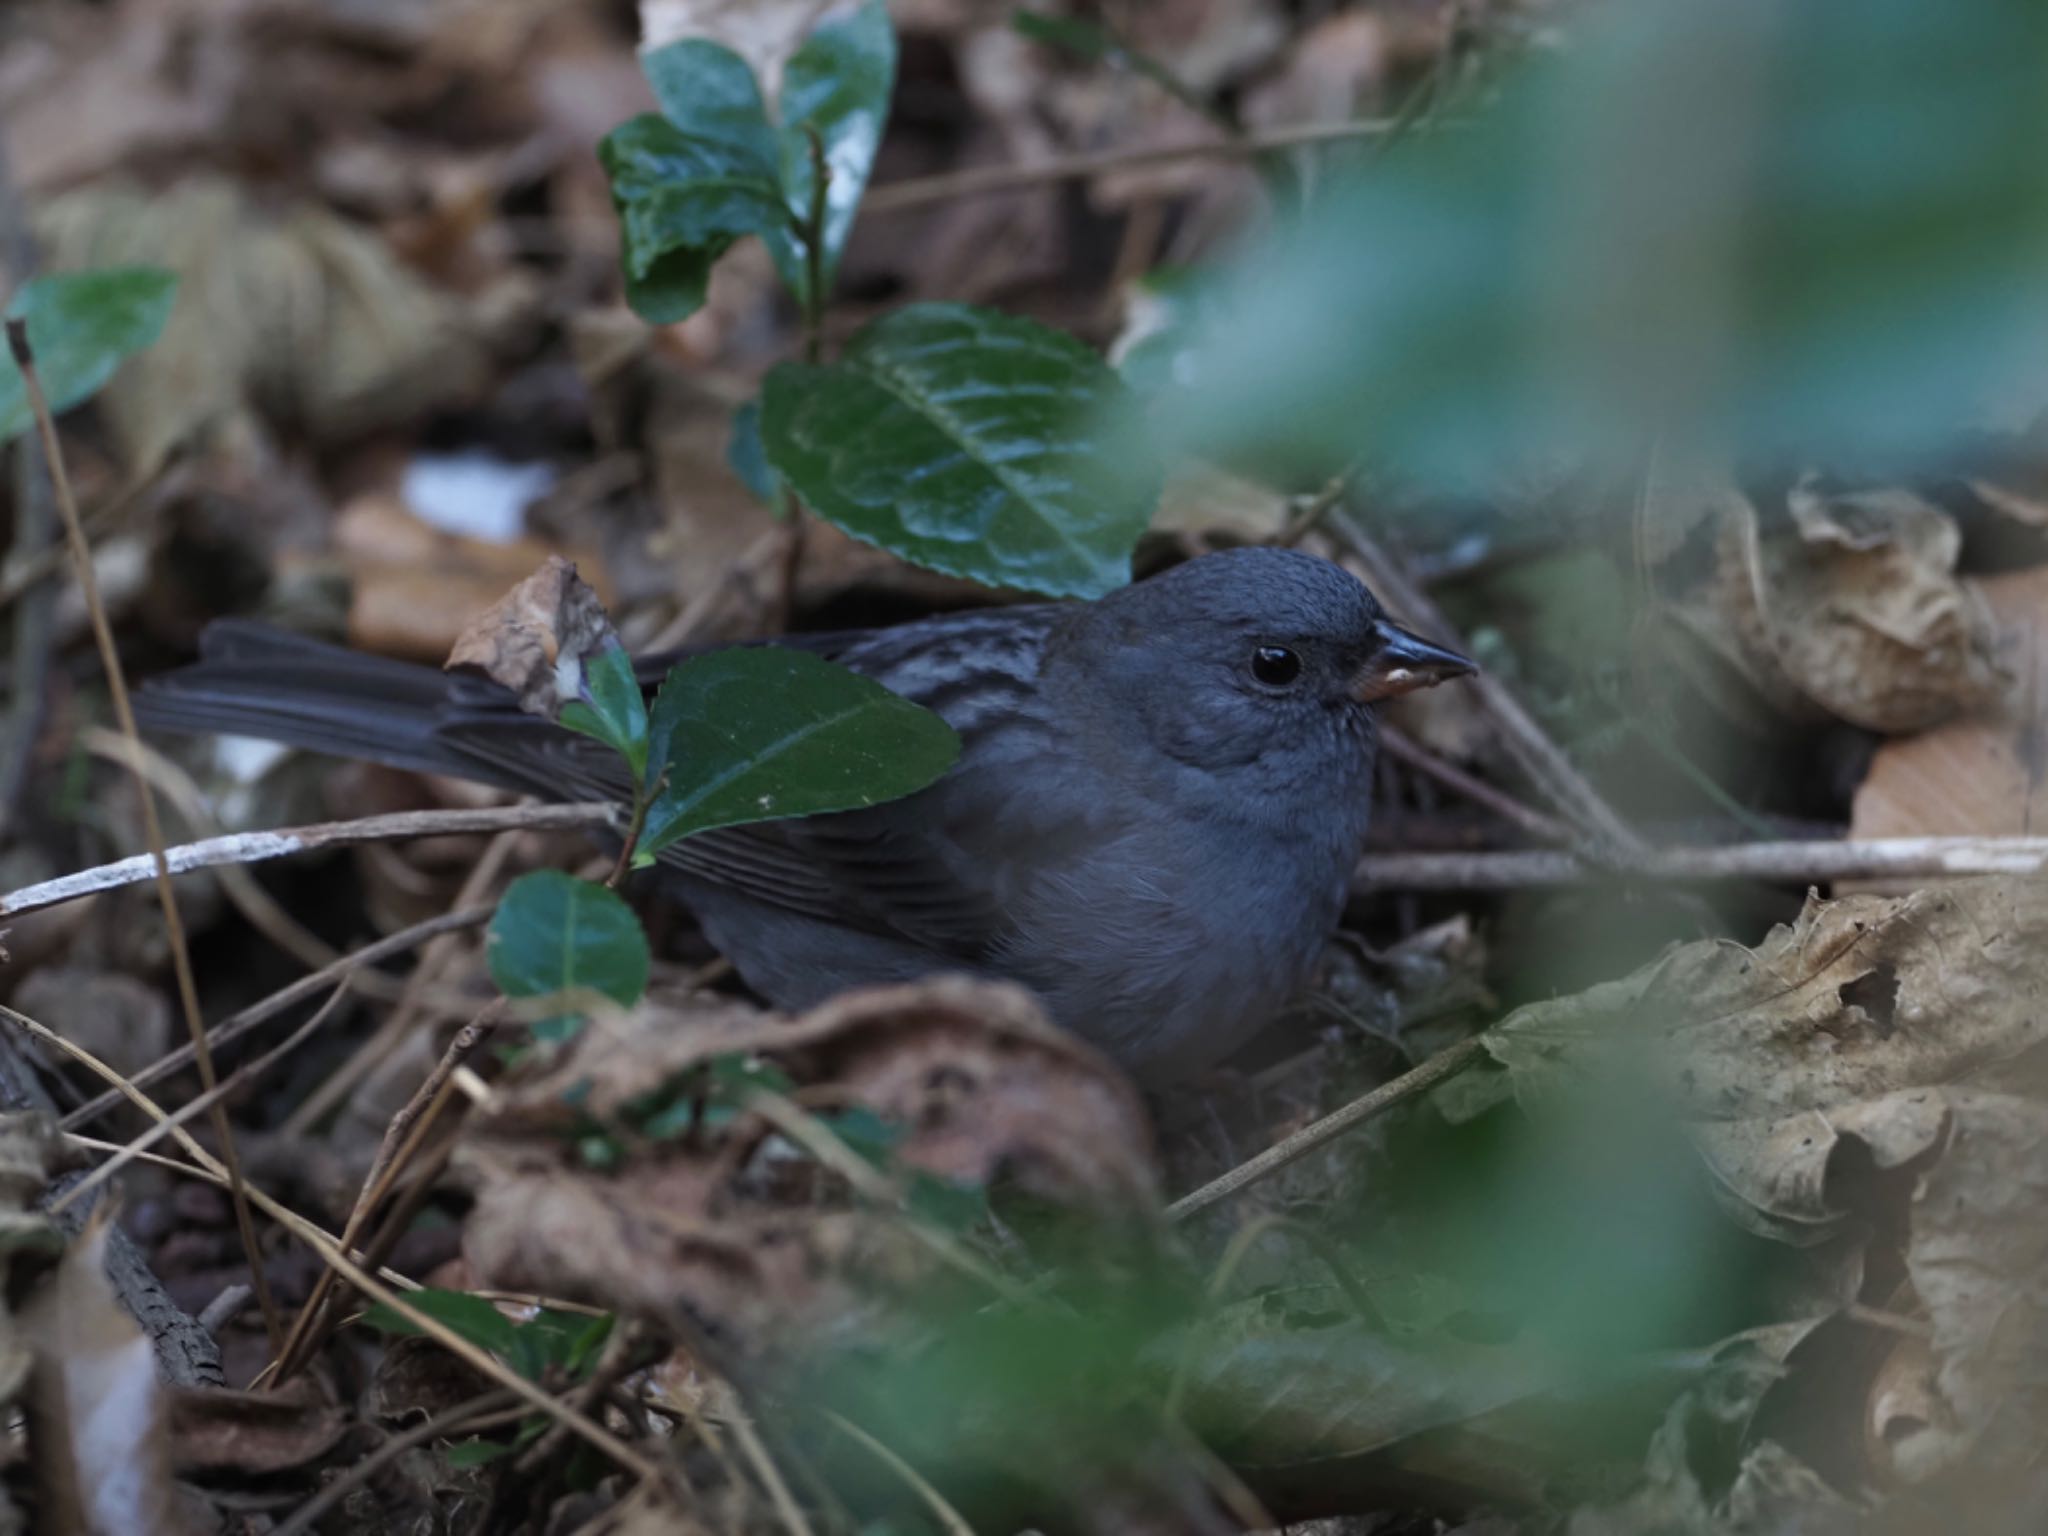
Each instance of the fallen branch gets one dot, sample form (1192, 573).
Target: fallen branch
(255, 847)
(1891, 858)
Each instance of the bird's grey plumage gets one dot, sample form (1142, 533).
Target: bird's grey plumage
(1138, 828)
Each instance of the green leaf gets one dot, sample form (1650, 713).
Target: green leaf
(865, 1133)
(745, 456)
(689, 184)
(975, 443)
(942, 1203)
(1087, 39)
(1814, 229)
(471, 1317)
(612, 709)
(477, 1452)
(838, 83)
(761, 734)
(81, 325)
(553, 932)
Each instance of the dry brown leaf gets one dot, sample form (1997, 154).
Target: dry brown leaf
(413, 586)
(1853, 609)
(1983, 775)
(724, 1228)
(535, 638)
(252, 1434)
(1860, 997)
(97, 1415)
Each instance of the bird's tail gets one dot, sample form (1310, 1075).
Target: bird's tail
(255, 680)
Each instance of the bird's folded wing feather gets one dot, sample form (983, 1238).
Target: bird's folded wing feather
(904, 869)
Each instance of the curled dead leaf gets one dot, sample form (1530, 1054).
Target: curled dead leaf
(535, 638)
(1847, 606)
(252, 1434)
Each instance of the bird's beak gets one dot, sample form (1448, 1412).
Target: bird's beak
(1404, 663)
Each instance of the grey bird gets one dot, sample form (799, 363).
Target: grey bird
(1152, 824)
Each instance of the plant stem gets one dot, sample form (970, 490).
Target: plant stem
(813, 231)
(642, 799)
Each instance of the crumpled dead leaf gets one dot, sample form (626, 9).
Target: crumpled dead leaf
(535, 638)
(1848, 606)
(252, 1434)
(722, 1225)
(1876, 1055)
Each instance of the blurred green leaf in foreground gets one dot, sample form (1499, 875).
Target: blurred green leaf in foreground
(81, 325)
(1752, 226)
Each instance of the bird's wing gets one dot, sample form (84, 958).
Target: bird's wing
(928, 869)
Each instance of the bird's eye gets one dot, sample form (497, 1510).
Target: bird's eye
(1275, 665)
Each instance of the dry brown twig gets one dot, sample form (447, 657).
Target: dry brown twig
(433, 967)
(160, 866)
(331, 1253)
(246, 1073)
(1445, 1064)
(255, 847)
(403, 1139)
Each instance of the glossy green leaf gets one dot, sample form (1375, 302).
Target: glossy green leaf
(612, 709)
(761, 734)
(1816, 228)
(81, 325)
(689, 183)
(552, 933)
(837, 83)
(979, 444)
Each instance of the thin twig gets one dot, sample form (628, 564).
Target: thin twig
(1404, 748)
(1540, 757)
(1796, 863)
(265, 1009)
(332, 1254)
(786, 1508)
(482, 1412)
(1445, 1064)
(255, 847)
(982, 181)
(434, 963)
(262, 910)
(167, 897)
(246, 1073)
(951, 1521)
(402, 1139)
